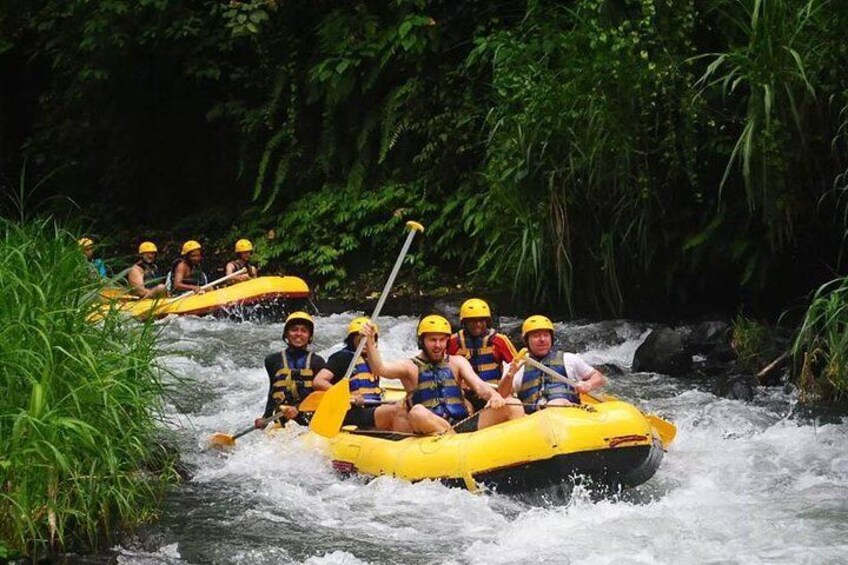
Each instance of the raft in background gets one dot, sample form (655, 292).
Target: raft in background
(225, 300)
(609, 444)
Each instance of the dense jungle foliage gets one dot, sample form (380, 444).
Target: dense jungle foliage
(588, 154)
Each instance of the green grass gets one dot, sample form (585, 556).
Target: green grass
(821, 344)
(79, 455)
(750, 340)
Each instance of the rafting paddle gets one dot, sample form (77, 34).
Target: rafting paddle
(313, 401)
(220, 440)
(331, 412)
(207, 286)
(665, 429)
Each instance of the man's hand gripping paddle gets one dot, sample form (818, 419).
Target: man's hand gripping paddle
(664, 429)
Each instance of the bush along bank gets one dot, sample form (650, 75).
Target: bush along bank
(820, 348)
(79, 456)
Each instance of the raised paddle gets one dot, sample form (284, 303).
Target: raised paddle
(665, 429)
(220, 440)
(207, 286)
(328, 419)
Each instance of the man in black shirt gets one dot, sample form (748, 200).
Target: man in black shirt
(291, 371)
(364, 387)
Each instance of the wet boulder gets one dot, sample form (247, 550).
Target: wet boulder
(735, 387)
(512, 330)
(449, 309)
(663, 351)
(711, 338)
(710, 343)
(610, 370)
(596, 335)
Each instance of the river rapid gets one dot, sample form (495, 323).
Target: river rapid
(743, 482)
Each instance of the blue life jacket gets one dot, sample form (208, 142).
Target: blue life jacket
(363, 380)
(99, 267)
(480, 352)
(537, 385)
(438, 390)
(293, 382)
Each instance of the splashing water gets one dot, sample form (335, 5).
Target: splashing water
(743, 483)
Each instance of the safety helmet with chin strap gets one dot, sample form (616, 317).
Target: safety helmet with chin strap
(243, 246)
(147, 247)
(189, 246)
(303, 318)
(536, 322)
(356, 324)
(475, 308)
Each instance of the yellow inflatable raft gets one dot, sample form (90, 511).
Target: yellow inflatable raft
(609, 443)
(245, 293)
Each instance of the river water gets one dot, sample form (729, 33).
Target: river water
(743, 482)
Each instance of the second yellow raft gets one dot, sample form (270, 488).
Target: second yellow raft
(245, 293)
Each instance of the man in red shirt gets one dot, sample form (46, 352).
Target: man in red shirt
(484, 348)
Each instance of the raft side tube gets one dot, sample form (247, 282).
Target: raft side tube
(612, 441)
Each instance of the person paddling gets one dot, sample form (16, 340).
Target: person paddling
(536, 389)
(291, 371)
(144, 276)
(97, 265)
(486, 349)
(243, 251)
(364, 385)
(186, 273)
(433, 380)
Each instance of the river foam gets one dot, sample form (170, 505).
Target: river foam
(743, 483)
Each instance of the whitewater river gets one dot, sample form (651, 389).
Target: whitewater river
(743, 483)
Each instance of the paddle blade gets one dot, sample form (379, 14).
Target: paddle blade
(665, 429)
(330, 414)
(311, 402)
(221, 441)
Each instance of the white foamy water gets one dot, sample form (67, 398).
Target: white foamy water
(743, 483)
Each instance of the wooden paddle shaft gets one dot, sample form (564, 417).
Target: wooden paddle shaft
(414, 229)
(246, 431)
(232, 275)
(209, 285)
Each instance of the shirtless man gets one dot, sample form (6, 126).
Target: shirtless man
(243, 251)
(144, 276)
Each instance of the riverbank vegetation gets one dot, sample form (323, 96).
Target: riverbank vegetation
(79, 455)
(821, 344)
(592, 156)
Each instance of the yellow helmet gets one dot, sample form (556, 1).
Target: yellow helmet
(299, 317)
(434, 324)
(243, 245)
(356, 324)
(85, 242)
(189, 246)
(147, 247)
(474, 308)
(536, 322)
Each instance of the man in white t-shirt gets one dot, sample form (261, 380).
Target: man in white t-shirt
(537, 389)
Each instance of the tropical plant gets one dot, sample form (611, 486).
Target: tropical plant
(821, 343)
(79, 453)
